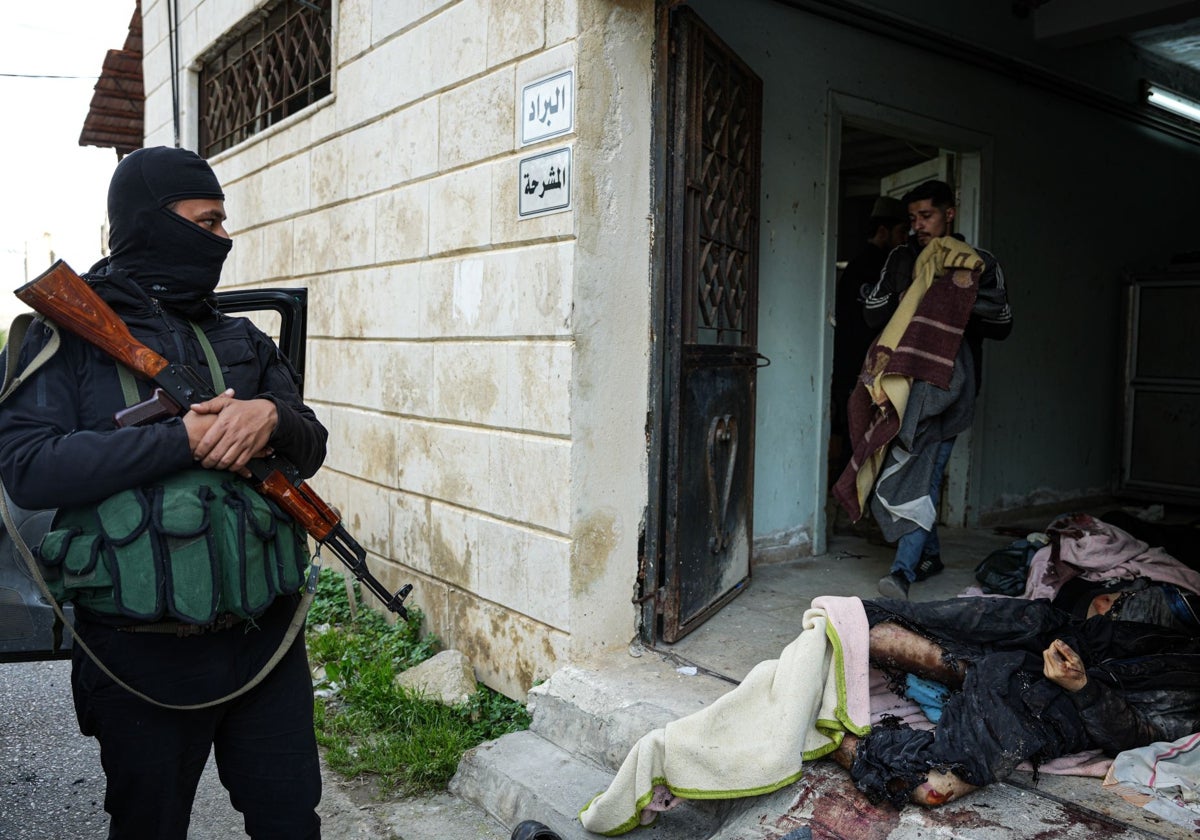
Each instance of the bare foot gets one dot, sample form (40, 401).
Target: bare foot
(844, 754)
(940, 788)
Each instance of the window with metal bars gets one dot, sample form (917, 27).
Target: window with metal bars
(274, 63)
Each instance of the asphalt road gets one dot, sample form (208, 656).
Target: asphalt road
(52, 785)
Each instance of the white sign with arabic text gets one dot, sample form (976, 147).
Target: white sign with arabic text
(547, 107)
(544, 183)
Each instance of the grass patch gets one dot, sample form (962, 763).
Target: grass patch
(371, 727)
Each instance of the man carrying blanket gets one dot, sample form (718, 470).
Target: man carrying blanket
(936, 300)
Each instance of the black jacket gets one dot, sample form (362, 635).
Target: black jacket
(1143, 680)
(59, 446)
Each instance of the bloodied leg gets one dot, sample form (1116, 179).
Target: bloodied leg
(898, 649)
(895, 648)
(1017, 692)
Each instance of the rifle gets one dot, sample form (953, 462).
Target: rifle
(64, 297)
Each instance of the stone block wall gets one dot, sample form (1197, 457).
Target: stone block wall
(443, 331)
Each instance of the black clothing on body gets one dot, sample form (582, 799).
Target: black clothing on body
(1143, 686)
(59, 448)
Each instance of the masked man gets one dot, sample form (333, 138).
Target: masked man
(183, 578)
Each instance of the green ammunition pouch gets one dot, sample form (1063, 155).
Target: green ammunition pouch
(191, 547)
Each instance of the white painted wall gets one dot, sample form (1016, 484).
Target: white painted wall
(483, 378)
(1071, 198)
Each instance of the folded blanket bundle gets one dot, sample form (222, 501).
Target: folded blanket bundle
(814, 693)
(920, 342)
(1086, 547)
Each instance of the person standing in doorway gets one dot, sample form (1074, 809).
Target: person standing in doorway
(886, 229)
(931, 210)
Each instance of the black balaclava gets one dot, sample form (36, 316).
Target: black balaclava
(172, 259)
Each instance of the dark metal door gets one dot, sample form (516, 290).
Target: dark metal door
(714, 141)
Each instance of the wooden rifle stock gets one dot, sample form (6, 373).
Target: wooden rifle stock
(62, 296)
(65, 298)
(302, 503)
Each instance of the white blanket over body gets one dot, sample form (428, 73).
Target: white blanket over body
(1163, 778)
(754, 739)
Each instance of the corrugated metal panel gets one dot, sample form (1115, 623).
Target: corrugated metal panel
(115, 116)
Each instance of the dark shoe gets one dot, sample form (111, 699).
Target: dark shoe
(533, 830)
(928, 567)
(894, 586)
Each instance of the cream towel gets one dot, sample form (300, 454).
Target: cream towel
(754, 739)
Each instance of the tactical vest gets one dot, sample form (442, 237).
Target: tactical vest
(194, 546)
(190, 547)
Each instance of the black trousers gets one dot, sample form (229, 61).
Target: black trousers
(265, 746)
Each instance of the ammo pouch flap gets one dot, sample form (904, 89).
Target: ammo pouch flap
(22, 549)
(191, 547)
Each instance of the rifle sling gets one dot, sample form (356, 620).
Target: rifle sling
(16, 336)
(129, 386)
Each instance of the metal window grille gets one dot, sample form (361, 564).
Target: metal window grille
(275, 63)
(726, 179)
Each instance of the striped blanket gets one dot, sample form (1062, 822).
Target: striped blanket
(920, 342)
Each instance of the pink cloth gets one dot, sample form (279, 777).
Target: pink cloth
(849, 619)
(1084, 546)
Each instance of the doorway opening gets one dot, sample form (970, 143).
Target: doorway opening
(876, 167)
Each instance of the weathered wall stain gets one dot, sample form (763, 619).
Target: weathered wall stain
(468, 383)
(593, 540)
(500, 645)
(450, 561)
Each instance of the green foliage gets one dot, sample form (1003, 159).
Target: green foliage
(331, 603)
(371, 726)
